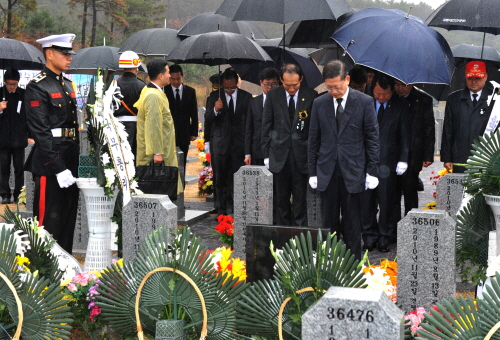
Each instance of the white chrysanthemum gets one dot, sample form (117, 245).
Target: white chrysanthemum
(110, 175)
(105, 158)
(99, 86)
(380, 280)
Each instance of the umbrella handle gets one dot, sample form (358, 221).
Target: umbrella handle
(348, 44)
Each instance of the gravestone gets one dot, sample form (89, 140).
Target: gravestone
(253, 202)
(353, 313)
(179, 202)
(314, 215)
(81, 235)
(260, 262)
(142, 215)
(426, 258)
(449, 193)
(84, 141)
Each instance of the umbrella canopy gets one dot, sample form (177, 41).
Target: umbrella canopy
(216, 48)
(313, 33)
(324, 55)
(464, 53)
(88, 60)
(397, 44)
(467, 15)
(211, 22)
(152, 42)
(299, 56)
(20, 55)
(283, 11)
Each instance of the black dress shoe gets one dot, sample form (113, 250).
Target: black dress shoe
(5, 200)
(383, 248)
(369, 246)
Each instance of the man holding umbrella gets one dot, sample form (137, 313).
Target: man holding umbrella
(52, 121)
(465, 117)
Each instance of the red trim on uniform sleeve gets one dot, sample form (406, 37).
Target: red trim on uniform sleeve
(56, 95)
(41, 199)
(73, 95)
(34, 103)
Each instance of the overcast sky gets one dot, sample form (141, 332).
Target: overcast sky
(433, 3)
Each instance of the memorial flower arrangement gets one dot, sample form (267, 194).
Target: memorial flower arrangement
(226, 229)
(383, 277)
(81, 292)
(205, 182)
(223, 263)
(107, 173)
(435, 179)
(415, 318)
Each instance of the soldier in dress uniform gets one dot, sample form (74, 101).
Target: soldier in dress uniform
(50, 103)
(130, 87)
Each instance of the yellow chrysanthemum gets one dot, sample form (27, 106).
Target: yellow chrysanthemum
(22, 260)
(65, 282)
(239, 269)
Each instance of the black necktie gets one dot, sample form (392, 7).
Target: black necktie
(177, 98)
(231, 106)
(291, 108)
(474, 101)
(339, 113)
(380, 113)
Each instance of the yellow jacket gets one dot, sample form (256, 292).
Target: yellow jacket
(155, 129)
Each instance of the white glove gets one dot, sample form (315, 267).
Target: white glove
(65, 178)
(313, 182)
(371, 182)
(207, 147)
(401, 168)
(266, 162)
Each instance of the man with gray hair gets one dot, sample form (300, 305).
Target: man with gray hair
(343, 153)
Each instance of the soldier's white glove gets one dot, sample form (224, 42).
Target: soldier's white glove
(401, 168)
(266, 162)
(65, 179)
(207, 147)
(371, 182)
(313, 182)
(116, 102)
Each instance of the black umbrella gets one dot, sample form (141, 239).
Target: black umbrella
(299, 56)
(152, 42)
(88, 60)
(397, 44)
(313, 33)
(211, 22)
(20, 55)
(464, 53)
(324, 55)
(468, 15)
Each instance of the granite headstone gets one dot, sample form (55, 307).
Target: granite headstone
(253, 202)
(84, 141)
(81, 235)
(314, 215)
(449, 193)
(179, 202)
(142, 215)
(426, 258)
(353, 313)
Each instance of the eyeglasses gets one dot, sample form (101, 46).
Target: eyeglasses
(272, 85)
(230, 88)
(11, 84)
(335, 88)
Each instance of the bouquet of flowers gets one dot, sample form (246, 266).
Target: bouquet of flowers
(205, 182)
(415, 318)
(107, 173)
(223, 263)
(80, 291)
(226, 229)
(383, 277)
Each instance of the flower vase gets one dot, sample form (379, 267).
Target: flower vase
(170, 330)
(494, 203)
(100, 209)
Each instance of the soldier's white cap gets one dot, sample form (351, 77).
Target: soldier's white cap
(61, 42)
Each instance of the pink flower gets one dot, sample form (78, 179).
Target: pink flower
(94, 312)
(72, 287)
(82, 278)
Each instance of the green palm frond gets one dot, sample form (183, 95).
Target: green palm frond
(483, 167)
(301, 264)
(489, 307)
(474, 222)
(456, 319)
(184, 253)
(8, 266)
(39, 252)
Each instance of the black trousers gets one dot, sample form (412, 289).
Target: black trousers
(17, 157)
(408, 184)
(336, 200)
(290, 182)
(56, 209)
(224, 167)
(384, 197)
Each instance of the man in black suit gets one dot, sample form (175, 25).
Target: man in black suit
(184, 109)
(269, 79)
(393, 120)
(226, 113)
(343, 153)
(285, 129)
(422, 139)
